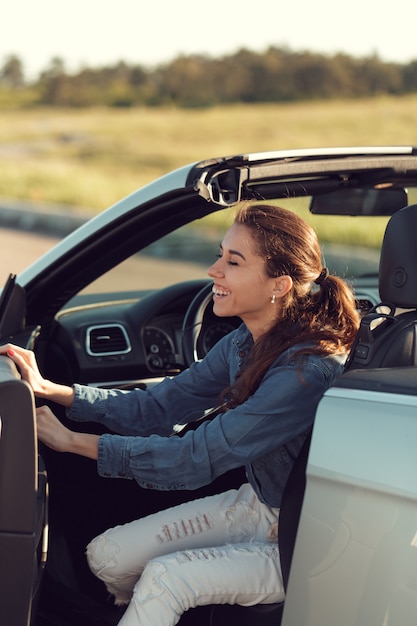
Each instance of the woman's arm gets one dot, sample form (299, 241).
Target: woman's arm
(177, 400)
(281, 409)
(55, 435)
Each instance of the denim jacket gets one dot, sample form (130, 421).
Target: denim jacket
(264, 434)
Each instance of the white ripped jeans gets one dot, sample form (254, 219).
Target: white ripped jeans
(215, 550)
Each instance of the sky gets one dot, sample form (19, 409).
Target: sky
(98, 33)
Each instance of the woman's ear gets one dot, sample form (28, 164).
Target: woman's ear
(283, 284)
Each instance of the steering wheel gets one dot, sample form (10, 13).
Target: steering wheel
(201, 328)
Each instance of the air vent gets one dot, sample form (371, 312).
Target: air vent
(107, 340)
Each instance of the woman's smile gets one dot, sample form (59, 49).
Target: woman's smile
(219, 292)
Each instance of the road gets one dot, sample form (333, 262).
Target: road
(18, 249)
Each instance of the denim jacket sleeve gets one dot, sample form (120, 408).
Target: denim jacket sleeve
(263, 433)
(181, 399)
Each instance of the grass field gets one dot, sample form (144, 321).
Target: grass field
(89, 158)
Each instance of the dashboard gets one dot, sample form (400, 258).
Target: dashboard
(137, 339)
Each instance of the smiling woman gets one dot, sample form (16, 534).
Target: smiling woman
(268, 375)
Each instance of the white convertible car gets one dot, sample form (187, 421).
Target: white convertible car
(124, 300)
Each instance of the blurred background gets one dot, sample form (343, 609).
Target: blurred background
(98, 99)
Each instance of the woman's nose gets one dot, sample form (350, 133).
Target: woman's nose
(215, 269)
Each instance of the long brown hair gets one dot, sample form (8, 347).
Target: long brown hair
(319, 309)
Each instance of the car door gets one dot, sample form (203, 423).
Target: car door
(23, 500)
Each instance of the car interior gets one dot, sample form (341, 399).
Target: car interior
(103, 315)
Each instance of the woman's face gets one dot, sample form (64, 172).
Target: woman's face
(241, 286)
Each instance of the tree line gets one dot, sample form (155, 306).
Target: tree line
(277, 75)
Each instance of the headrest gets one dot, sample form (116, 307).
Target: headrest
(398, 262)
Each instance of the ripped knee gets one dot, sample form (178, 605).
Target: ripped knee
(102, 555)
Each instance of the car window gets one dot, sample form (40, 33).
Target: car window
(185, 254)
(350, 247)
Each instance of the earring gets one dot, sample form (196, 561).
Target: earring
(273, 299)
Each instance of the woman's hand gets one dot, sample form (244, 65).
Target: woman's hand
(28, 367)
(61, 439)
(29, 370)
(52, 432)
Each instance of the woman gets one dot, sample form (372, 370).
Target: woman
(268, 375)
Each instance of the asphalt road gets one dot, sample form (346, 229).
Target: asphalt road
(18, 249)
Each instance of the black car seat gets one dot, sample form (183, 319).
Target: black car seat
(387, 336)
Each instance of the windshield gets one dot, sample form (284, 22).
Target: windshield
(351, 248)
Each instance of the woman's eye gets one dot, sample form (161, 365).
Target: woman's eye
(219, 255)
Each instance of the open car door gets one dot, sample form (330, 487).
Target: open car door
(23, 500)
